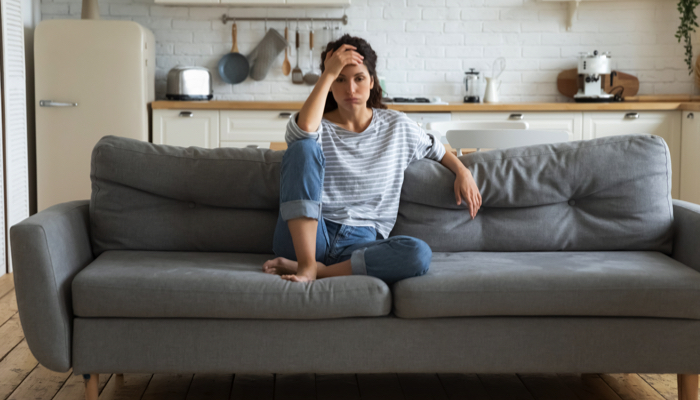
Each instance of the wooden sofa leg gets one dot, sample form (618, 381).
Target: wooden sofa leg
(687, 387)
(92, 382)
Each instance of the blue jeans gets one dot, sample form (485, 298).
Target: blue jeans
(301, 188)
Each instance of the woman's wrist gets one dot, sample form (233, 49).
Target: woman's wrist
(463, 171)
(328, 77)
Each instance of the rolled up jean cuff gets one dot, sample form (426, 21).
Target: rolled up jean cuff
(357, 262)
(300, 208)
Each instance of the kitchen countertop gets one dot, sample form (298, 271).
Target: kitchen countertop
(640, 103)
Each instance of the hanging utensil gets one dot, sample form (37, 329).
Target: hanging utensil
(297, 74)
(498, 65)
(286, 68)
(311, 77)
(234, 66)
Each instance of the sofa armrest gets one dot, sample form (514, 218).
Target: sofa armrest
(48, 249)
(686, 233)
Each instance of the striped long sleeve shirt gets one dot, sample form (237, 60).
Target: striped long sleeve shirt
(364, 171)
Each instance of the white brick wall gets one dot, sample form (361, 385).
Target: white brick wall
(424, 46)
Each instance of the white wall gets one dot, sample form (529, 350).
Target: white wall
(424, 46)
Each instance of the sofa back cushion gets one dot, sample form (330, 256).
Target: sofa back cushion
(612, 193)
(170, 198)
(603, 194)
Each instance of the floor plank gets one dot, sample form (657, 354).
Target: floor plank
(15, 367)
(463, 386)
(631, 387)
(74, 387)
(7, 283)
(168, 387)
(210, 387)
(130, 388)
(295, 387)
(8, 306)
(588, 386)
(337, 387)
(253, 387)
(547, 387)
(379, 386)
(10, 335)
(421, 387)
(504, 387)
(41, 383)
(665, 384)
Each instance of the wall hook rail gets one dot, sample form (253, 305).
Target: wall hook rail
(225, 18)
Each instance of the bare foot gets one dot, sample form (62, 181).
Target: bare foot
(280, 266)
(297, 278)
(305, 273)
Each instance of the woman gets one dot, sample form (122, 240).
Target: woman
(341, 177)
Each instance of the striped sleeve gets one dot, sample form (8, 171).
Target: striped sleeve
(429, 147)
(295, 133)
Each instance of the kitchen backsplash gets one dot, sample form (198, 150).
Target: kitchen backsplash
(424, 46)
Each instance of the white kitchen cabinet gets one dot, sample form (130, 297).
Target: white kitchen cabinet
(248, 2)
(690, 157)
(568, 121)
(317, 3)
(242, 128)
(260, 145)
(186, 128)
(666, 124)
(188, 2)
(254, 127)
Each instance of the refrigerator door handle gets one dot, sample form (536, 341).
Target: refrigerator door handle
(51, 103)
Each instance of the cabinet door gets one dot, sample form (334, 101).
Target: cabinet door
(690, 157)
(320, 2)
(252, 3)
(568, 121)
(666, 124)
(186, 128)
(254, 126)
(186, 2)
(260, 145)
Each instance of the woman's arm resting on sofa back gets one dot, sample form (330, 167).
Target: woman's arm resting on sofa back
(686, 235)
(48, 250)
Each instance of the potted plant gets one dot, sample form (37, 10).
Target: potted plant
(688, 24)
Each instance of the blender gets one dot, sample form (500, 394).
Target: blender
(473, 83)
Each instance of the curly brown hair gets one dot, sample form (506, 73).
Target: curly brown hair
(370, 61)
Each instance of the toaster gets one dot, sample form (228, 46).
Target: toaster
(189, 83)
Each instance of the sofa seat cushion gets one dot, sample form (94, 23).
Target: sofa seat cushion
(157, 284)
(619, 284)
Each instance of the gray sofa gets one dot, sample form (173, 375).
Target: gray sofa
(579, 261)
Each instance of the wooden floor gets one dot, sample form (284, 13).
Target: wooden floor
(22, 378)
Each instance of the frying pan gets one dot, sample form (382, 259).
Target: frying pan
(234, 66)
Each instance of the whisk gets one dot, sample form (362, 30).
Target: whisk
(499, 63)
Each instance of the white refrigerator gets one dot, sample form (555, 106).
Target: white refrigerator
(92, 78)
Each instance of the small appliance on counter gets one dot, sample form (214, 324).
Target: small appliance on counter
(189, 83)
(592, 71)
(474, 86)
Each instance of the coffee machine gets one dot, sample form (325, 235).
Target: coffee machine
(592, 68)
(473, 86)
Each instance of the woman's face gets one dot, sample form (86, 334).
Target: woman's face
(351, 88)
